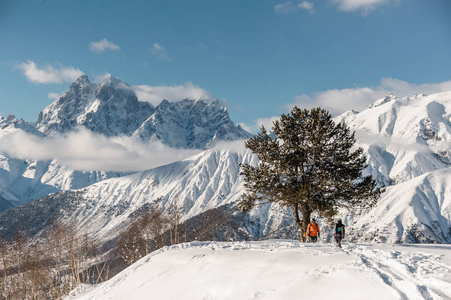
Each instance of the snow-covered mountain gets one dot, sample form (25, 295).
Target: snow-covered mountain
(22, 180)
(407, 143)
(11, 123)
(195, 185)
(110, 108)
(415, 211)
(404, 137)
(190, 124)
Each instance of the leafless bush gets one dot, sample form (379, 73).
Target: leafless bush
(51, 267)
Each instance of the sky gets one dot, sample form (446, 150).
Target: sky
(259, 57)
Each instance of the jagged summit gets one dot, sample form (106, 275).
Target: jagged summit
(11, 123)
(108, 108)
(405, 139)
(111, 108)
(190, 124)
(379, 102)
(82, 79)
(113, 81)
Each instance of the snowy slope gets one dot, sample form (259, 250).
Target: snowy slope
(416, 211)
(24, 180)
(111, 109)
(407, 141)
(404, 137)
(197, 184)
(281, 270)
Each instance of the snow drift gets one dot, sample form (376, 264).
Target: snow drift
(281, 270)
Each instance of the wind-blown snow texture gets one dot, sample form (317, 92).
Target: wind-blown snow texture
(281, 270)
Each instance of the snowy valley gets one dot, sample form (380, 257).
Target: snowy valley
(405, 139)
(407, 143)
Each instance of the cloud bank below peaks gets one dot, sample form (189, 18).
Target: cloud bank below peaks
(87, 151)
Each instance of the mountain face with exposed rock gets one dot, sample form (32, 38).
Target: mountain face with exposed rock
(109, 108)
(406, 140)
(190, 124)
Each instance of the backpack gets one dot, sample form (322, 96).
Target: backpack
(313, 229)
(339, 229)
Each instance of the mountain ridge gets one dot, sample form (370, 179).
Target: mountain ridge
(406, 140)
(110, 108)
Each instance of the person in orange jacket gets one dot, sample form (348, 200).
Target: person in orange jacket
(313, 231)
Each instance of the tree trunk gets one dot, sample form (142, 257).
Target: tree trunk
(302, 224)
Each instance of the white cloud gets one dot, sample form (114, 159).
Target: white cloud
(101, 77)
(154, 94)
(54, 96)
(363, 6)
(308, 6)
(102, 45)
(288, 7)
(87, 151)
(48, 74)
(257, 124)
(159, 51)
(338, 101)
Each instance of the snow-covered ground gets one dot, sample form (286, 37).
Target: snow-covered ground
(282, 269)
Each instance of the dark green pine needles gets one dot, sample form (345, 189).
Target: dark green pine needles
(309, 165)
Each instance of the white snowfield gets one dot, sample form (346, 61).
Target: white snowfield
(282, 269)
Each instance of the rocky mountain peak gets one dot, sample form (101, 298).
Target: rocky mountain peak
(389, 98)
(112, 108)
(110, 80)
(82, 80)
(191, 124)
(11, 123)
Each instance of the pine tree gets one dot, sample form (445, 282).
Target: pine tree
(308, 164)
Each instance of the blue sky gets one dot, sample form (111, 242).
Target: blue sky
(260, 57)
